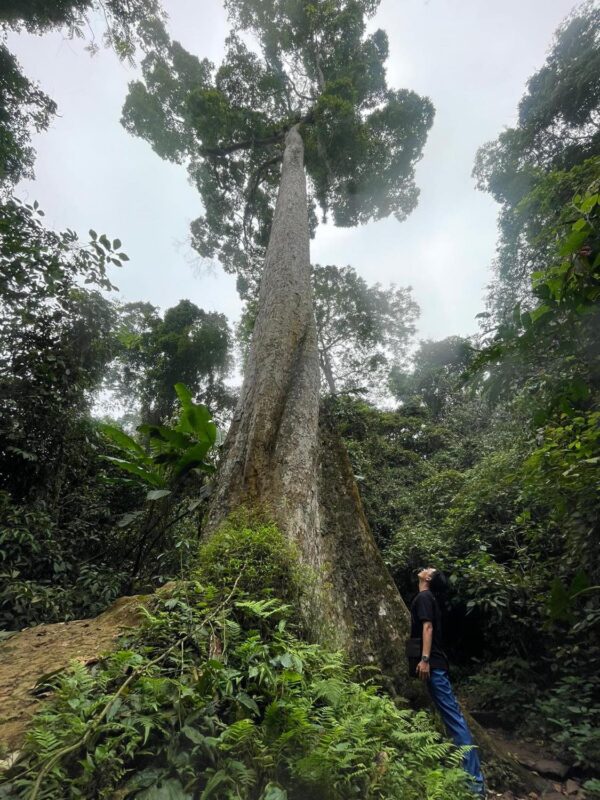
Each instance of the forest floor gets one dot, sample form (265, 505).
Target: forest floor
(551, 776)
(28, 660)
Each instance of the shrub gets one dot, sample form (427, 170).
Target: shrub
(508, 687)
(41, 578)
(569, 715)
(249, 551)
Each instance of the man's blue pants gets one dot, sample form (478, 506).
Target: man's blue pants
(441, 692)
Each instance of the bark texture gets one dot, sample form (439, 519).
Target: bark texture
(365, 607)
(271, 450)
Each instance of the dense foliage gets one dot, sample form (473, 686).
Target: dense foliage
(75, 532)
(487, 466)
(153, 353)
(219, 695)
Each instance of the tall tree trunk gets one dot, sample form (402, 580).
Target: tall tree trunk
(283, 455)
(271, 450)
(280, 457)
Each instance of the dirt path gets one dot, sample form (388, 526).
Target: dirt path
(28, 657)
(551, 776)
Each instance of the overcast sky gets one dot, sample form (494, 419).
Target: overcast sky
(471, 57)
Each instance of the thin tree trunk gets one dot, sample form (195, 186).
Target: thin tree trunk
(327, 370)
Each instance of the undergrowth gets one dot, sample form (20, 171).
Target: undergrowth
(218, 695)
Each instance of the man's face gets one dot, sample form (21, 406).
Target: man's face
(426, 574)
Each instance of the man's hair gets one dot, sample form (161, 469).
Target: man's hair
(438, 583)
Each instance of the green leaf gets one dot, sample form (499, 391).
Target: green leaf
(152, 478)
(286, 660)
(171, 789)
(215, 781)
(183, 393)
(195, 419)
(588, 203)
(125, 442)
(193, 458)
(273, 792)
(193, 735)
(157, 494)
(573, 242)
(116, 244)
(539, 312)
(248, 702)
(179, 440)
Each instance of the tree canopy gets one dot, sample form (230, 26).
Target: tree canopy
(316, 66)
(536, 167)
(152, 354)
(362, 330)
(24, 108)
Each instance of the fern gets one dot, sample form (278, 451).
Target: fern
(217, 696)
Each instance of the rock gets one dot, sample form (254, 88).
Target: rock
(552, 769)
(553, 796)
(10, 760)
(571, 786)
(32, 656)
(524, 758)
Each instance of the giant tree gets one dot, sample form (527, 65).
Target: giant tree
(314, 101)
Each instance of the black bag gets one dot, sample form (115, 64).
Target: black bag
(413, 649)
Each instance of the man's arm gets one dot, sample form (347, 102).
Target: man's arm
(423, 670)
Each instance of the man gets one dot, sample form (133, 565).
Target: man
(432, 667)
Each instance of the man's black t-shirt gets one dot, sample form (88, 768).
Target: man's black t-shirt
(424, 608)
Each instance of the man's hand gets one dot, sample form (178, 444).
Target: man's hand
(423, 671)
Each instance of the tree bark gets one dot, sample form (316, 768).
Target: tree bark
(281, 457)
(327, 370)
(271, 450)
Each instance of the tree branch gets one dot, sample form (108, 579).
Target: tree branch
(253, 188)
(247, 144)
